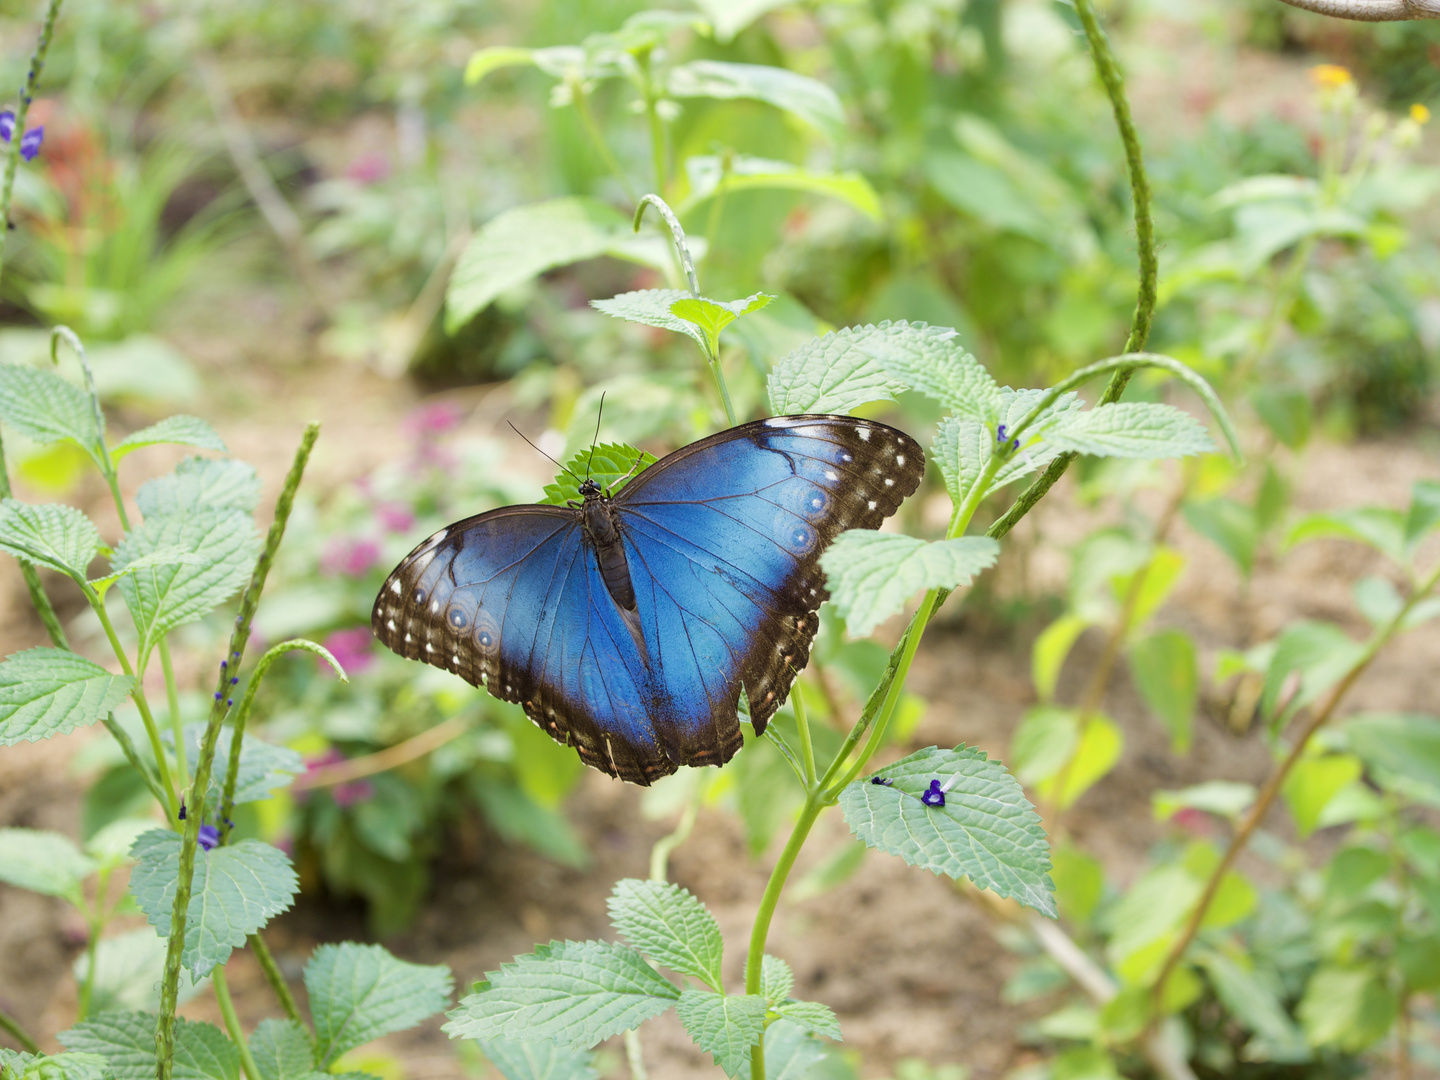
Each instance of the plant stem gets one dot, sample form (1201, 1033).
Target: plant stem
(1286, 290)
(343, 772)
(802, 724)
(172, 701)
(170, 984)
(666, 845)
(1277, 778)
(657, 127)
(232, 1022)
(96, 928)
(592, 129)
(274, 977)
(22, 111)
(9, 1024)
(38, 599)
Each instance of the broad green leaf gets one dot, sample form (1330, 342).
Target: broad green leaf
(43, 862)
(126, 1040)
(18, 1066)
(1131, 429)
(1320, 652)
(1165, 669)
(484, 61)
(729, 17)
(1228, 524)
(164, 597)
(539, 1060)
(196, 483)
(670, 926)
(1161, 573)
(1079, 882)
(129, 968)
(963, 448)
(938, 367)
(44, 407)
(1406, 744)
(170, 556)
(871, 575)
(810, 100)
(1146, 916)
(776, 978)
(651, 307)
(609, 464)
(360, 992)
(1419, 962)
(1253, 1004)
(46, 692)
(710, 317)
(1377, 600)
(1050, 650)
(791, 1053)
(711, 176)
(1313, 782)
(575, 992)
(282, 1051)
(50, 535)
(842, 370)
(1351, 1008)
(812, 1016)
(110, 847)
(1382, 529)
(1424, 513)
(236, 890)
(1099, 748)
(1227, 798)
(264, 767)
(986, 831)
(1286, 412)
(520, 244)
(185, 430)
(1051, 744)
(725, 1026)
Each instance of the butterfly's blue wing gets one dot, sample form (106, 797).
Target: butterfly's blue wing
(512, 600)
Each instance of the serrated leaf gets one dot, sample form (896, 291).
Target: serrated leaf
(710, 317)
(264, 767)
(361, 992)
(520, 244)
(791, 1052)
(216, 483)
(43, 862)
(987, 831)
(539, 1060)
(1131, 429)
(871, 575)
(17, 1066)
(172, 556)
(839, 371)
(180, 429)
(575, 992)
(129, 968)
(44, 407)
(610, 466)
(776, 978)
(236, 890)
(725, 1026)
(940, 368)
(46, 692)
(51, 535)
(163, 597)
(711, 176)
(799, 95)
(127, 1041)
(670, 926)
(651, 307)
(812, 1016)
(282, 1051)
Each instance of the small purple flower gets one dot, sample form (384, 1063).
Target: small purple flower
(883, 781)
(352, 648)
(395, 517)
(434, 419)
(934, 796)
(356, 791)
(1000, 433)
(209, 837)
(182, 809)
(351, 556)
(7, 125)
(29, 142)
(369, 168)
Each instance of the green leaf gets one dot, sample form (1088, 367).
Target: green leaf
(484, 61)
(711, 176)
(670, 926)
(651, 307)
(810, 100)
(710, 317)
(1227, 798)
(1050, 650)
(236, 890)
(791, 1052)
(44, 407)
(1131, 429)
(575, 992)
(50, 535)
(871, 574)
(46, 692)
(520, 244)
(282, 1051)
(519, 818)
(1254, 1005)
(1377, 600)
(963, 448)
(129, 968)
(1406, 744)
(1424, 512)
(776, 978)
(18, 1066)
(1320, 652)
(163, 597)
(937, 366)
(539, 1060)
(1167, 673)
(729, 17)
(184, 430)
(1286, 412)
(126, 1040)
(170, 556)
(43, 862)
(264, 767)
(1313, 782)
(196, 483)
(812, 1016)
(1382, 529)
(986, 831)
(1352, 1008)
(360, 992)
(725, 1026)
(1051, 745)
(608, 465)
(839, 371)
(1228, 524)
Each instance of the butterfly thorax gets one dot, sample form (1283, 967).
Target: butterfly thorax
(601, 522)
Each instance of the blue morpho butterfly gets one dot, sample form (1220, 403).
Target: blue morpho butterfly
(627, 625)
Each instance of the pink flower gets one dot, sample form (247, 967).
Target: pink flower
(434, 419)
(349, 555)
(352, 648)
(369, 168)
(395, 517)
(356, 791)
(1192, 820)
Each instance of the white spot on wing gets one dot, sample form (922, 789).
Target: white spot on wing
(434, 605)
(864, 433)
(889, 482)
(871, 504)
(899, 459)
(395, 586)
(429, 647)
(391, 624)
(831, 474)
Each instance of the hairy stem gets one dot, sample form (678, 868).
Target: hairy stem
(344, 772)
(232, 1023)
(22, 111)
(170, 984)
(275, 978)
(1371, 10)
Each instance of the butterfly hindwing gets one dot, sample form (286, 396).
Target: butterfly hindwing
(722, 540)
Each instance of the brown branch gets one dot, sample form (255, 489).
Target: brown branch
(392, 757)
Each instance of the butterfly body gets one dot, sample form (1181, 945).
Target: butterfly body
(628, 625)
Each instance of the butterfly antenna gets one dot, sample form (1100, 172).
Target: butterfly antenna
(542, 453)
(599, 413)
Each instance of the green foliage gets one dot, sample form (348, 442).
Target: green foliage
(59, 538)
(126, 1040)
(670, 926)
(608, 464)
(44, 862)
(46, 692)
(282, 1050)
(871, 575)
(181, 430)
(724, 1026)
(358, 993)
(537, 1060)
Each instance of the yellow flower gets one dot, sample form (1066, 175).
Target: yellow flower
(1330, 75)
(1420, 114)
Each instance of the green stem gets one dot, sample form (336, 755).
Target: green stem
(22, 111)
(97, 928)
(38, 599)
(9, 1024)
(677, 234)
(592, 129)
(172, 701)
(1287, 288)
(666, 845)
(657, 127)
(232, 1023)
(802, 724)
(274, 977)
(170, 984)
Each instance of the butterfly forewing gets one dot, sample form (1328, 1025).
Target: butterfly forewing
(722, 540)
